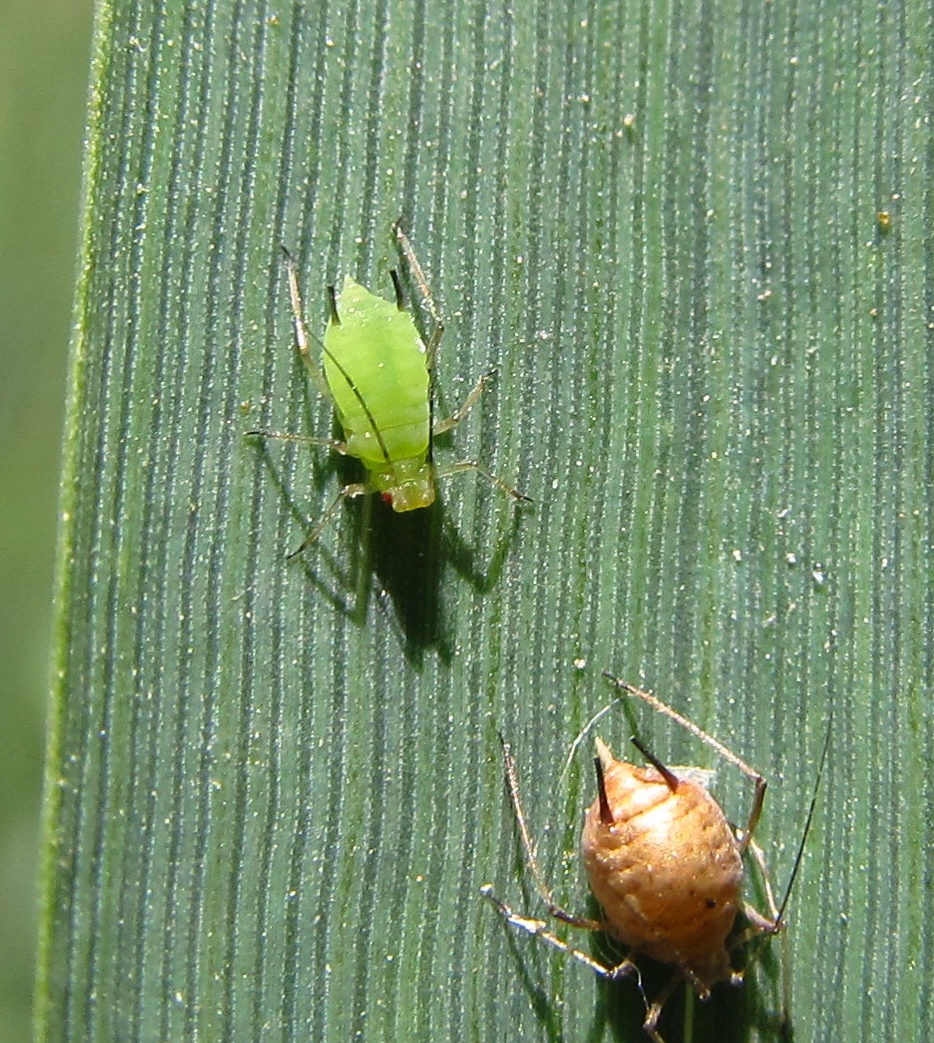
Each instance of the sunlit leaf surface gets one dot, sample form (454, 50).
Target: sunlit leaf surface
(274, 787)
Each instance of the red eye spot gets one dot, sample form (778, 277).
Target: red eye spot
(387, 498)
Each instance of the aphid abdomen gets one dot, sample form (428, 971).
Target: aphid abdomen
(376, 367)
(667, 872)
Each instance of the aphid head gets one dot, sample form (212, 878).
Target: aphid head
(411, 496)
(409, 485)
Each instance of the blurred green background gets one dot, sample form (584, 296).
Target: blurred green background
(44, 52)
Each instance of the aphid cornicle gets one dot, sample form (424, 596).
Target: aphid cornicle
(379, 374)
(665, 866)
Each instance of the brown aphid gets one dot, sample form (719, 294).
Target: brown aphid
(665, 866)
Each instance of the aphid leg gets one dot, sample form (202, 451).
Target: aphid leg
(764, 927)
(330, 443)
(539, 928)
(452, 421)
(356, 489)
(416, 269)
(301, 329)
(469, 465)
(431, 351)
(745, 835)
(774, 920)
(654, 1012)
(528, 844)
(472, 465)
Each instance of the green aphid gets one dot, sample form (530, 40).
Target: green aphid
(378, 373)
(375, 365)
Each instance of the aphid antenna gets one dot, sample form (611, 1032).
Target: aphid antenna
(581, 735)
(302, 340)
(431, 350)
(745, 835)
(779, 920)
